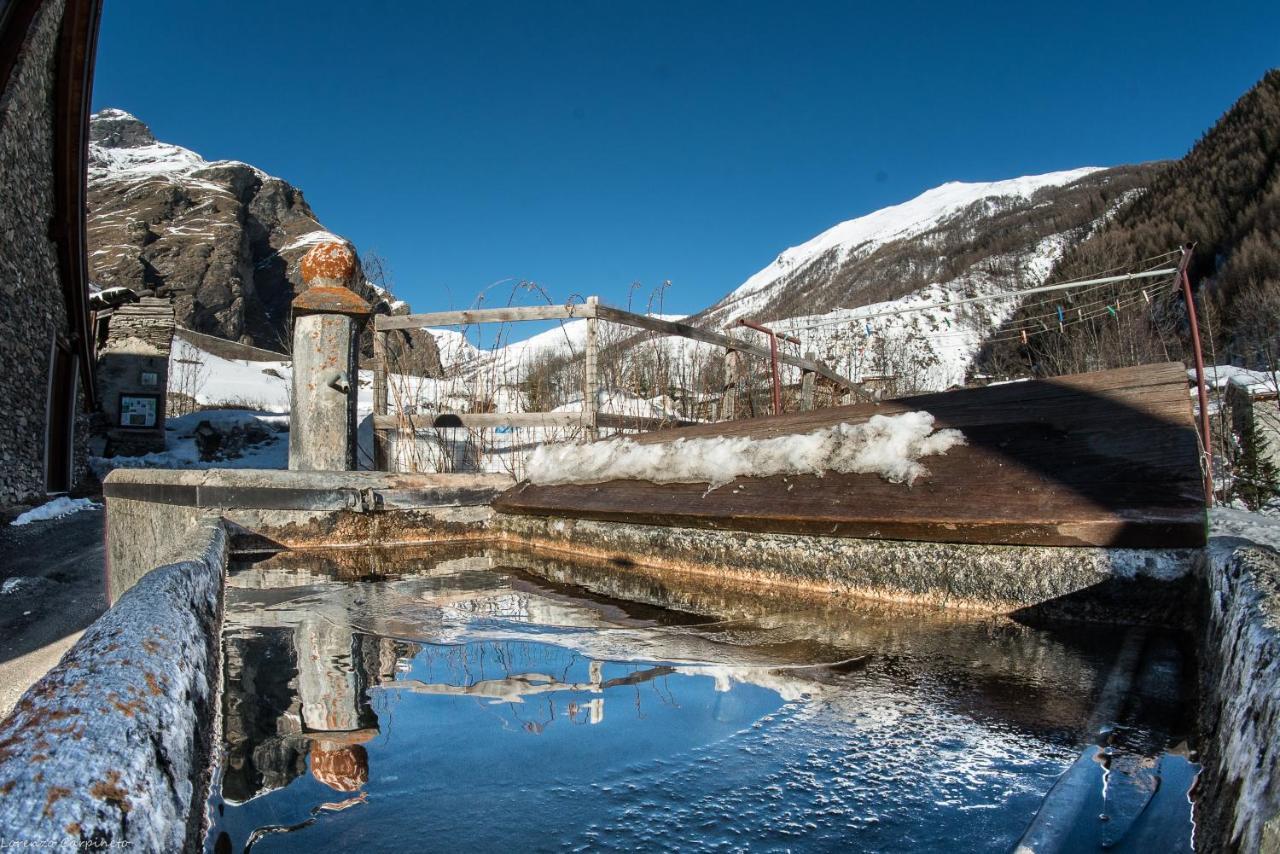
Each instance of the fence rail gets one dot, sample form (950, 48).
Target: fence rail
(589, 419)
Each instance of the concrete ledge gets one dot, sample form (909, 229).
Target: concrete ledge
(1118, 585)
(112, 746)
(1239, 805)
(150, 510)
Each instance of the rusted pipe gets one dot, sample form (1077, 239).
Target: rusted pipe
(1206, 437)
(773, 357)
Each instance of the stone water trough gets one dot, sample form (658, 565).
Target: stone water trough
(114, 745)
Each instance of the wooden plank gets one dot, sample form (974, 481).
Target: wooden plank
(729, 401)
(1106, 459)
(480, 315)
(684, 330)
(379, 398)
(614, 421)
(591, 371)
(806, 388)
(477, 420)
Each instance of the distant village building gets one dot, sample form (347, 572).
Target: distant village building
(133, 374)
(47, 385)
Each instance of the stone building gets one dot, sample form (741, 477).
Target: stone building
(133, 374)
(46, 66)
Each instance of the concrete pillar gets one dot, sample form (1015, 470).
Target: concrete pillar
(327, 320)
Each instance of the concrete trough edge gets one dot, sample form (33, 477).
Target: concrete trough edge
(1052, 582)
(112, 747)
(1240, 697)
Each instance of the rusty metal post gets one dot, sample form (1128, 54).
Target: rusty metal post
(327, 319)
(1206, 436)
(773, 358)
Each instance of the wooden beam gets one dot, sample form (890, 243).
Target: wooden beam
(380, 456)
(476, 420)
(729, 400)
(637, 422)
(481, 315)
(684, 330)
(1102, 459)
(806, 388)
(591, 371)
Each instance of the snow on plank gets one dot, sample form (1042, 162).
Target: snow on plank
(1100, 459)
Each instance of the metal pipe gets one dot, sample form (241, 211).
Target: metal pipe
(1206, 436)
(773, 357)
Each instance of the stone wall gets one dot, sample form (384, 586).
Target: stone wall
(111, 749)
(139, 338)
(32, 310)
(1239, 804)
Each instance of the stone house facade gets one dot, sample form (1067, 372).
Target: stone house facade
(46, 383)
(133, 375)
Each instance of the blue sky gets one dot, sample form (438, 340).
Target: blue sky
(590, 145)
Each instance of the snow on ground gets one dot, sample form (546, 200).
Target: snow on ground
(253, 385)
(1227, 523)
(1220, 376)
(887, 445)
(56, 509)
(924, 345)
(182, 452)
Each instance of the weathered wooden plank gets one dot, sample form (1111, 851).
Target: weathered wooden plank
(479, 420)
(684, 330)
(1099, 459)
(379, 398)
(591, 371)
(467, 317)
(615, 421)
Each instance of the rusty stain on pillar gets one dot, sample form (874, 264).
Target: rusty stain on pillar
(327, 319)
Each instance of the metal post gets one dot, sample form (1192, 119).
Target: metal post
(590, 373)
(806, 386)
(773, 358)
(1206, 436)
(379, 399)
(327, 319)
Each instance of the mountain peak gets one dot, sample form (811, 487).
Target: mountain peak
(112, 128)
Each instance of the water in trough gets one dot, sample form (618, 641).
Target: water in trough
(488, 700)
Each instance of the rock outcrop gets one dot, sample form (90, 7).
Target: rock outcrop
(221, 239)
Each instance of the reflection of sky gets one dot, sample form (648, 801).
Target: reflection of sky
(519, 718)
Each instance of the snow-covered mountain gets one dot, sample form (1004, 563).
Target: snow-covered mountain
(863, 295)
(222, 238)
(843, 293)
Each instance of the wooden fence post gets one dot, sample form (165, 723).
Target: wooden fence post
(729, 400)
(379, 399)
(806, 386)
(591, 373)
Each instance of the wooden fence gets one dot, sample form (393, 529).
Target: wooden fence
(590, 420)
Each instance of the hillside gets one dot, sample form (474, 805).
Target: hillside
(222, 239)
(1224, 195)
(935, 238)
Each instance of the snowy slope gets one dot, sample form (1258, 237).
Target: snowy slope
(155, 160)
(865, 234)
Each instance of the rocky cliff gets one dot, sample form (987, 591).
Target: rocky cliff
(222, 239)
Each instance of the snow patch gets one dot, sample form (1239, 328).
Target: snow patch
(56, 509)
(887, 445)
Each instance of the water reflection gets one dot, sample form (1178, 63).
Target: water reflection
(606, 708)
